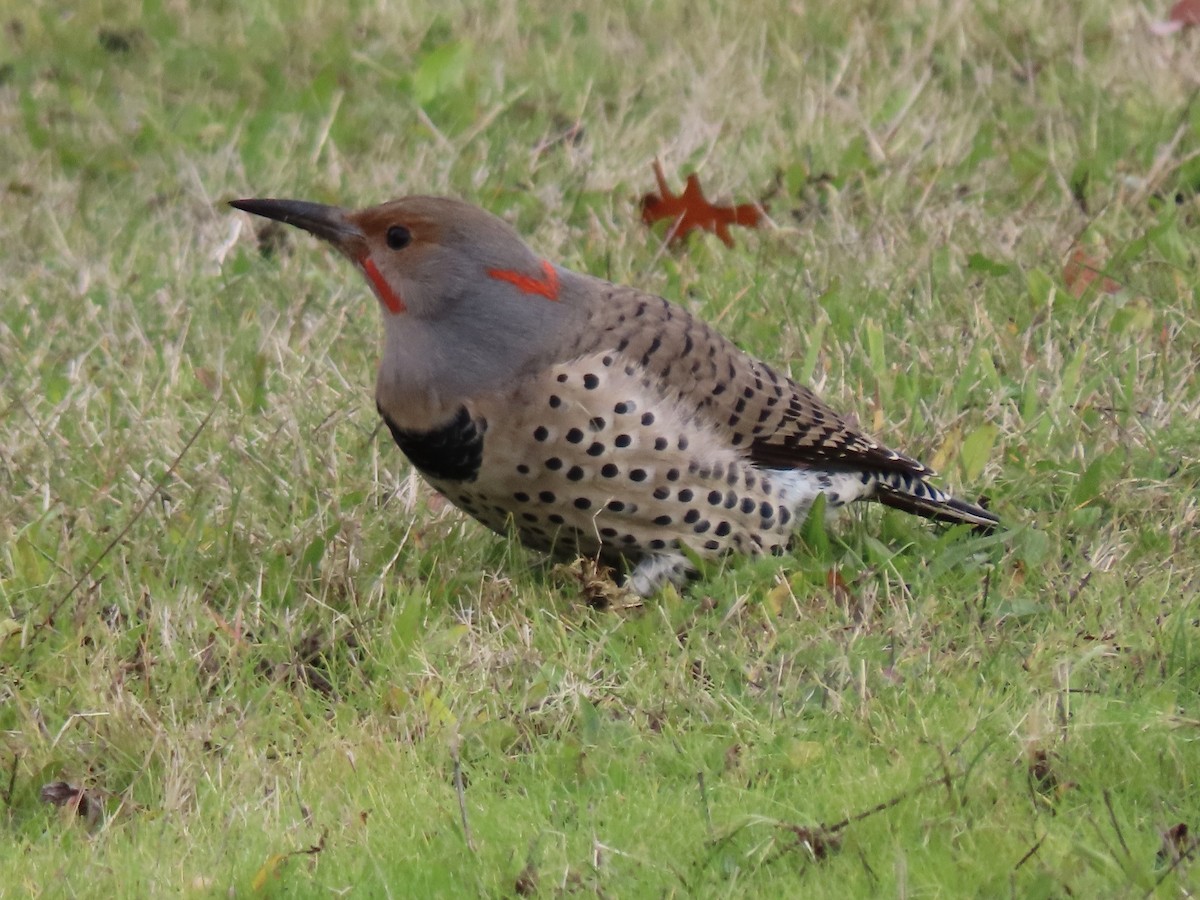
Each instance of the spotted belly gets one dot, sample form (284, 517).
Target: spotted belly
(588, 460)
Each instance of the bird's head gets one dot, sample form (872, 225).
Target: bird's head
(466, 304)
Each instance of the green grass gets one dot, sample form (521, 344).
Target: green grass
(230, 613)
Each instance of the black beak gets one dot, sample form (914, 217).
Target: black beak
(330, 223)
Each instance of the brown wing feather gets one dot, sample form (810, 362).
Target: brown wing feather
(780, 423)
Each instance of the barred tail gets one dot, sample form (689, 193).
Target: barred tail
(912, 495)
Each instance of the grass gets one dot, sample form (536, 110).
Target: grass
(269, 657)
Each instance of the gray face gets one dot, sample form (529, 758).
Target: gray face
(467, 306)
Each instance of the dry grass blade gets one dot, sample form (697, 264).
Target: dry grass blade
(48, 620)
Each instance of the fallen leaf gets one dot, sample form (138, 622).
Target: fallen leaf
(269, 870)
(1081, 269)
(273, 867)
(843, 594)
(839, 587)
(527, 881)
(1186, 12)
(84, 803)
(820, 842)
(777, 597)
(733, 756)
(1041, 772)
(1176, 845)
(691, 210)
(1183, 14)
(597, 586)
(116, 41)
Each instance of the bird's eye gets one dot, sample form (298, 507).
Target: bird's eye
(398, 237)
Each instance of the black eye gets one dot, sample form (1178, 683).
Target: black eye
(398, 237)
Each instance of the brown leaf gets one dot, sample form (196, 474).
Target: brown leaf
(1041, 772)
(691, 210)
(839, 587)
(596, 585)
(733, 756)
(1081, 269)
(820, 842)
(117, 41)
(62, 794)
(1176, 845)
(527, 881)
(843, 594)
(1185, 12)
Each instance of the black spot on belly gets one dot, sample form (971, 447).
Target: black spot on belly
(450, 452)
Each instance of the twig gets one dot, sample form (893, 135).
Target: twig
(1074, 593)
(462, 794)
(137, 514)
(948, 778)
(1029, 853)
(12, 782)
(923, 786)
(1184, 854)
(885, 805)
(1115, 824)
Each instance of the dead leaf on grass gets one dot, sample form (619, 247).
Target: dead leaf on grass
(733, 757)
(272, 869)
(1184, 14)
(819, 842)
(597, 587)
(526, 883)
(692, 211)
(1041, 772)
(1177, 845)
(1082, 269)
(120, 41)
(1044, 783)
(84, 803)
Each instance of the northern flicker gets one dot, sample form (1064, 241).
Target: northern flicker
(589, 418)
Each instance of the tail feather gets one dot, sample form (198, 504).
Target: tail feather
(912, 495)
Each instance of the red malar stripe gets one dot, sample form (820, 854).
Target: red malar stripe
(547, 286)
(383, 290)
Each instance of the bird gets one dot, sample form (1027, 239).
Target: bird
(591, 419)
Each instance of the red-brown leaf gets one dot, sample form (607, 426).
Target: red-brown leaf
(839, 587)
(691, 210)
(1185, 12)
(1081, 269)
(85, 804)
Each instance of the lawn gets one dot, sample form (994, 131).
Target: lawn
(245, 651)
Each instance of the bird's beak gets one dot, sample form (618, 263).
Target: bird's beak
(330, 223)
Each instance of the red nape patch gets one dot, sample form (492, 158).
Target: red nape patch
(383, 290)
(547, 286)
